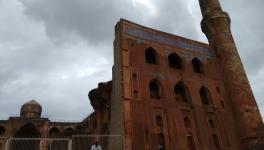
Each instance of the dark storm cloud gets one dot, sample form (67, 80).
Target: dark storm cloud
(57, 50)
(95, 20)
(34, 67)
(247, 24)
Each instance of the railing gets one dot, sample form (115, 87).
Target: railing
(76, 142)
(35, 144)
(85, 142)
(3, 142)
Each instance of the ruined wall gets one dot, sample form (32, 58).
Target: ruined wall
(117, 123)
(138, 110)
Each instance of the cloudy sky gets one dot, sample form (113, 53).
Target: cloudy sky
(55, 51)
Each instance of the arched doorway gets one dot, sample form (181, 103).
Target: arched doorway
(26, 138)
(2, 131)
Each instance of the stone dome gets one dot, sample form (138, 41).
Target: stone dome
(31, 109)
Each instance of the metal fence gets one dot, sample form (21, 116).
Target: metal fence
(85, 142)
(76, 142)
(3, 142)
(36, 144)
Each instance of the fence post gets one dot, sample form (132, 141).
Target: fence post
(7, 144)
(70, 144)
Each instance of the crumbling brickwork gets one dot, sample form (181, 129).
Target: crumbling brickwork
(190, 103)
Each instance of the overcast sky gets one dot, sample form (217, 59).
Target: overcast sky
(55, 51)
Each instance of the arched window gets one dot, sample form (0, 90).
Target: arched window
(190, 142)
(155, 89)
(54, 131)
(159, 121)
(2, 130)
(187, 122)
(175, 61)
(211, 123)
(215, 141)
(181, 93)
(197, 65)
(205, 96)
(151, 56)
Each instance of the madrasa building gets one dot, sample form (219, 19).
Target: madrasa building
(166, 91)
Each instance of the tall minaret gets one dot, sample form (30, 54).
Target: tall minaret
(216, 26)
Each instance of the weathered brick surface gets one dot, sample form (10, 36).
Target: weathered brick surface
(140, 129)
(216, 26)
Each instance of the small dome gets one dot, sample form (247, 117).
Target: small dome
(31, 109)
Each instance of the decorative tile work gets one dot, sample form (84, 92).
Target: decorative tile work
(205, 51)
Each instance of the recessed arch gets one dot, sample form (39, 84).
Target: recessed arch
(151, 56)
(2, 130)
(218, 89)
(187, 122)
(135, 92)
(182, 93)
(68, 131)
(222, 104)
(159, 121)
(28, 131)
(197, 65)
(211, 123)
(155, 89)
(215, 141)
(205, 96)
(161, 139)
(54, 131)
(175, 61)
(134, 75)
(190, 141)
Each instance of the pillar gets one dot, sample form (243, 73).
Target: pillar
(216, 26)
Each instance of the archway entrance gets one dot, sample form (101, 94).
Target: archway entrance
(26, 138)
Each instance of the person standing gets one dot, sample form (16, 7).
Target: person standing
(96, 146)
(161, 147)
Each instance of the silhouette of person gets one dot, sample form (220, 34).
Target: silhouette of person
(96, 146)
(161, 147)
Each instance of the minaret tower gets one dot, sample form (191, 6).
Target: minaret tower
(216, 26)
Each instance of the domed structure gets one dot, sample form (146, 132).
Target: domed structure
(31, 109)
